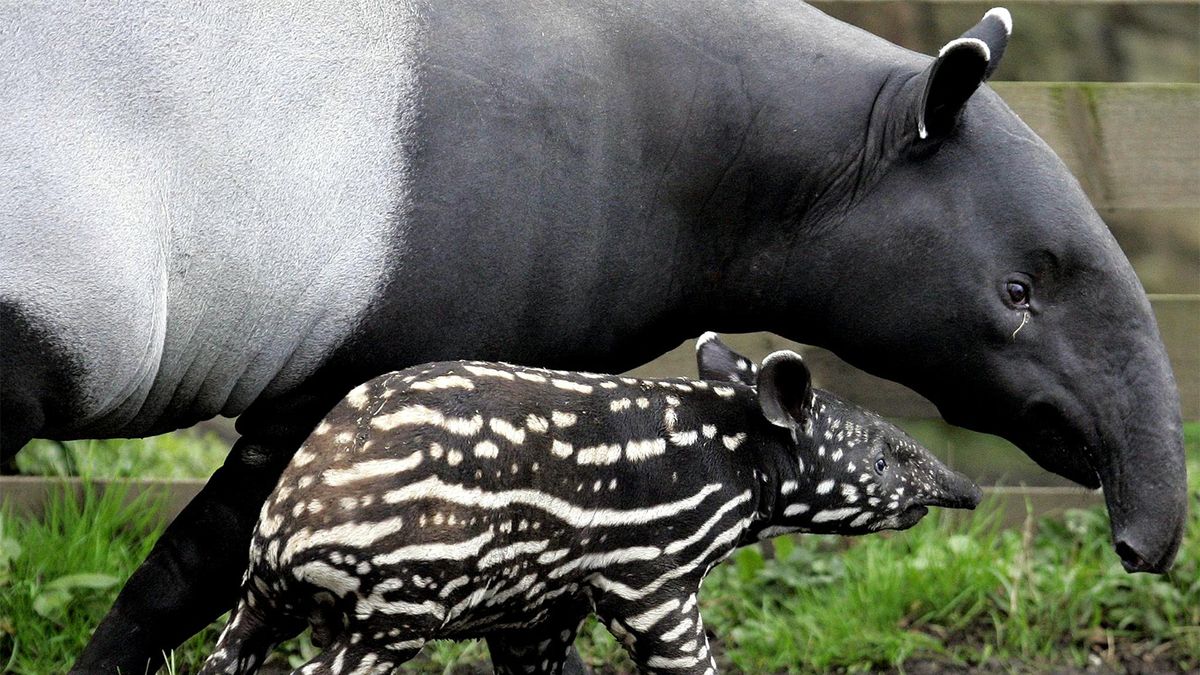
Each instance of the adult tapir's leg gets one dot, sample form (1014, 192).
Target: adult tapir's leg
(193, 573)
(35, 380)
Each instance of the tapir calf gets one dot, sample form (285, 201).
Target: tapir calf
(472, 499)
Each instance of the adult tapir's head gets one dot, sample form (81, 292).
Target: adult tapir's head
(970, 266)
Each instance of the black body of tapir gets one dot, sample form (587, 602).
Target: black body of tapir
(474, 499)
(248, 209)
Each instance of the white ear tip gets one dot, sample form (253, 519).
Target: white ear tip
(781, 355)
(1003, 15)
(968, 43)
(708, 336)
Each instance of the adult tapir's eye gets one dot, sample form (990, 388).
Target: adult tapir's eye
(880, 465)
(1018, 293)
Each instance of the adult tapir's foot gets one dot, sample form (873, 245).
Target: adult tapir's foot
(192, 574)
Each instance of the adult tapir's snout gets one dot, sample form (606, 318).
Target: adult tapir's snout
(1145, 489)
(1102, 408)
(1142, 469)
(1104, 411)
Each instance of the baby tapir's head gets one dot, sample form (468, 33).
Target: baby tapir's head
(857, 473)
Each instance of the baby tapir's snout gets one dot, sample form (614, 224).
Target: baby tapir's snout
(953, 490)
(915, 479)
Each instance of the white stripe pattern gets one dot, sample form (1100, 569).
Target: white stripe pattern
(457, 551)
(372, 468)
(443, 382)
(420, 415)
(433, 488)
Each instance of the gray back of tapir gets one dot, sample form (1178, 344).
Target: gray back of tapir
(250, 210)
(474, 499)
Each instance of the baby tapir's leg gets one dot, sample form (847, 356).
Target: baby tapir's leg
(539, 650)
(663, 633)
(252, 631)
(359, 654)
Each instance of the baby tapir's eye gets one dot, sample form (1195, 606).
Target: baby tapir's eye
(880, 465)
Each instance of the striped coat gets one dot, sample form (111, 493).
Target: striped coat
(469, 499)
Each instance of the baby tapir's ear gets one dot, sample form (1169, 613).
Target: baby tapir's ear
(717, 362)
(785, 389)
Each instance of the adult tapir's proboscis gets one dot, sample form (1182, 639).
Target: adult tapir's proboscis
(249, 210)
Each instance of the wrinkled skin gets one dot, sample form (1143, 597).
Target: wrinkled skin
(249, 213)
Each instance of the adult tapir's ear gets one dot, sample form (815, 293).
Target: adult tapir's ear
(961, 66)
(993, 30)
(717, 362)
(785, 389)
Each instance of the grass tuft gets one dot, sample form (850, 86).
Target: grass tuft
(66, 573)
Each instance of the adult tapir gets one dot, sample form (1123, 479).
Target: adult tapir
(246, 210)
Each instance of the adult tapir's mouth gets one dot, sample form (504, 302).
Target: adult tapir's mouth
(1056, 452)
(1056, 446)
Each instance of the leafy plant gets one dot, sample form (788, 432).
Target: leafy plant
(53, 599)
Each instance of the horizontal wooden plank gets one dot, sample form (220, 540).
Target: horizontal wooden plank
(1178, 318)
(1017, 504)
(1131, 145)
(27, 496)
(1162, 244)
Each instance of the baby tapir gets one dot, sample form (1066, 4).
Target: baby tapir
(469, 499)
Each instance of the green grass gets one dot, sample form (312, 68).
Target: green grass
(46, 607)
(954, 588)
(967, 592)
(184, 454)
